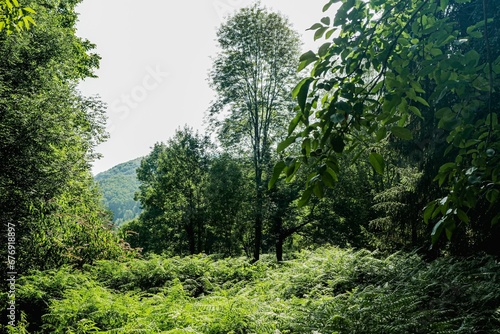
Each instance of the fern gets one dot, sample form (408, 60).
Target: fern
(328, 290)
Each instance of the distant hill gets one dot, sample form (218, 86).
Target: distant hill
(118, 185)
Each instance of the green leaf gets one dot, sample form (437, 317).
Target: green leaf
(328, 5)
(416, 111)
(429, 209)
(402, 133)
(303, 65)
(496, 68)
(436, 52)
(306, 195)
(475, 34)
(472, 57)
(306, 147)
(421, 100)
(437, 230)
(30, 19)
(306, 59)
(450, 228)
(333, 164)
(492, 195)
(320, 32)
(323, 49)
(377, 161)
(296, 90)
(344, 106)
(326, 20)
(308, 55)
(318, 190)
(444, 113)
(381, 134)
(301, 91)
(278, 168)
(417, 87)
(443, 4)
(447, 166)
(463, 216)
(26, 22)
(329, 177)
(333, 174)
(329, 33)
(29, 10)
(294, 122)
(285, 143)
(292, 169)
(403, 41)
(315, 26)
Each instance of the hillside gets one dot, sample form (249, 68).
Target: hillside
(328, 290)
(118, 185)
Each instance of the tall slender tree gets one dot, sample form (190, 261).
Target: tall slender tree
(252, 76)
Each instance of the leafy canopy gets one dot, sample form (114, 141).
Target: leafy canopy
(14, 17)
(252, 76)
(388, 67)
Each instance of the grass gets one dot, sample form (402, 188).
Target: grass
(329, 290)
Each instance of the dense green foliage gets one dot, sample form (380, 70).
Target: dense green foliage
(195, 200)
(172, 193)
(15, 17)
(48, 133)
(422, 71)
(396, 125)
(198, 200)
(324, 291)
(364, 128)
(253, 75)
(118, 186)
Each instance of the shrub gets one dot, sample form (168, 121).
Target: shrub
(328, 290)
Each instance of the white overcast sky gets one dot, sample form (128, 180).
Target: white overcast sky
(156, 55)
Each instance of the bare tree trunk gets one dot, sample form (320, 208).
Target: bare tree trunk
(279, 249)
(191, 238)
(280, 238)
(258, 214)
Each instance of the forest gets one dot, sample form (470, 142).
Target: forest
(350, 189)
(118, 186)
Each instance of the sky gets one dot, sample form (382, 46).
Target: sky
(156, 56)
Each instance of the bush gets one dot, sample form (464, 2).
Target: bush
(328, 290)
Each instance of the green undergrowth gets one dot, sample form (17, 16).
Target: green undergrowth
(328, 290)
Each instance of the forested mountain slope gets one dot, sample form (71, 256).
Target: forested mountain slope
(118, 186)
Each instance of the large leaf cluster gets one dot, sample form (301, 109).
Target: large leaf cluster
(14, 17)
(404, 70)
(48, 134)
